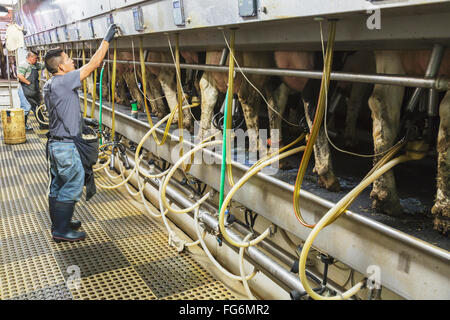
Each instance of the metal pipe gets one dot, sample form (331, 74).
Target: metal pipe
(441, 84)
(224, 57)
(431, 72)
(433, 103)
(288, 278)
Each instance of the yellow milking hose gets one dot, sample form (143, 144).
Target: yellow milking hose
(316, 125)
(94, 94)
(172, 171)
(179, 94)
(378, 165)
(147, 110)
(268, 156)
(144, 86)
(415, 150)
(238, 185)
(37, 118)
(229, 107)
(210, 256)
(103, 166)
(241, 270)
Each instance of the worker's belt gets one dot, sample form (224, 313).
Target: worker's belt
(87, 147)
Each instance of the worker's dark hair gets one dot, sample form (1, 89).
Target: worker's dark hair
(53, 59)
(31, 53)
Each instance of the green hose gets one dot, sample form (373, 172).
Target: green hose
(101, 103)
(224, 154)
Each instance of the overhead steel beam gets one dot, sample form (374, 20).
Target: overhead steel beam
(287, 24)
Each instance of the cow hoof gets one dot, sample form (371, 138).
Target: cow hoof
(441, 224)
(329, 182)
(384, 204)
(442, 218)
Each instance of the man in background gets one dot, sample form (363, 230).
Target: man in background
(28, 75)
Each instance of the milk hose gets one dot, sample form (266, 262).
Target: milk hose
(415, 151)
(238, 185)
(316, 125)
(210, 256)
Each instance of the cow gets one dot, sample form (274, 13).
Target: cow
(305, 60)
(385, 105)
(167, 81)
(213, 83)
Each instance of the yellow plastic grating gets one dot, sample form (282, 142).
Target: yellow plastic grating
(129, 226)
(56, 292)
(122, 283)
(14, 226)
(172, 275)
(125, 255)
(29, 275)
(146, 248)
(92, 259)
(212, 291)
(24, 246)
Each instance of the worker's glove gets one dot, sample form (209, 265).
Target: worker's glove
(112, 30)
(91, 122)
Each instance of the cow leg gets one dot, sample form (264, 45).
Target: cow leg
(90, 84)
(167, 80)
(154, 94)
(354, 105)
(385, 104)
(441, 208)
(278, 101)
(135, 93)
(209, 94)
(249, 100)
(121, 90)
(323, 165)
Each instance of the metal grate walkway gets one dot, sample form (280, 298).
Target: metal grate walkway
(125, 254)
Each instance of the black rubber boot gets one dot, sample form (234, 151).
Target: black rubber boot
(74, 224)
(62, 215)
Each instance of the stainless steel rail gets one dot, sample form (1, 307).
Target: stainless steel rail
(440, 84)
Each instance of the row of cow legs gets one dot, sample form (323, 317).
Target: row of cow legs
(385, 103)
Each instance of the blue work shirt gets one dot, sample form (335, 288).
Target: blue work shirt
(63, 99)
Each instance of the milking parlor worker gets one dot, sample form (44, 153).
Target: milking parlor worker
(65, 120)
